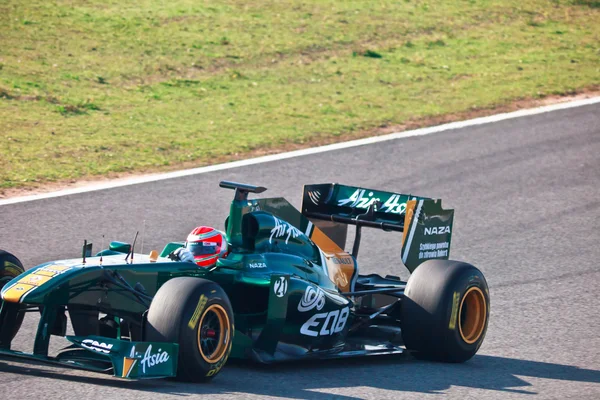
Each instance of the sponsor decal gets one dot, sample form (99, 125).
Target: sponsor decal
(59, 269)
(358, 199)
(433, 250)
(52, 270)
(340, 279)
(217, 369)
(254, 206)
(34, 279)
(393, 205)
(363, 199)
(197, 312)
(436, 230)
(280, 286)
(150, 360)
(97, 346)
(257, 265)
(314, 196)
(313, 298)
(282, 229)
(341, 268)
(128, 364)
(453, 316)
(219, 364)
(341, 260)
(324, 324)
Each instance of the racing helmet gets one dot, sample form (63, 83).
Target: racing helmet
(207, 245)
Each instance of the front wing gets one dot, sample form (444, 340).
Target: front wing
(125, 359)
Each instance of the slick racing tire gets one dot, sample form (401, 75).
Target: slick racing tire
(196, 314)
(445, 311)
(10, 267)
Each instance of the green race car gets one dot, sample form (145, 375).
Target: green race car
(287, 290)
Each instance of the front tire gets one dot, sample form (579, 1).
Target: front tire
(10, 268)
(197, 314)
(445, 311)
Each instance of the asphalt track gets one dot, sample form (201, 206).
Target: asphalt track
(527, 199)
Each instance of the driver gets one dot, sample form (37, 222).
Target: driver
(204, 246)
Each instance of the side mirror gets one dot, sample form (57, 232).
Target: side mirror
(120, 247)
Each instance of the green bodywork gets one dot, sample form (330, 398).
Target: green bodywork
(273, 276)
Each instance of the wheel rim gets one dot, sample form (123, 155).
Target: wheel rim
(472, 315)
(213, 333)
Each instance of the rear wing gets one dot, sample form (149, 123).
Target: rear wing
(426, 227)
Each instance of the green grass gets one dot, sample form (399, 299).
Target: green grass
(93, 87)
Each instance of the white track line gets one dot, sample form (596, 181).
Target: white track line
(304, 152)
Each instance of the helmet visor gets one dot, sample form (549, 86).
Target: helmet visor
(202, 248)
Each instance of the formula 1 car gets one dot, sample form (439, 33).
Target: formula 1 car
(287, 283)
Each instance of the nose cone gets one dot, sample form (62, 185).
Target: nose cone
(15, 290)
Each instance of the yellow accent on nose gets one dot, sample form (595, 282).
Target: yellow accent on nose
(15, 293)
(35, 279)
(59, 268)
(45, 273)
(52, 270)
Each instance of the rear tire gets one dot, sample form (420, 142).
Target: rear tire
(445, 311)
(197, 314)
(10, 268)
